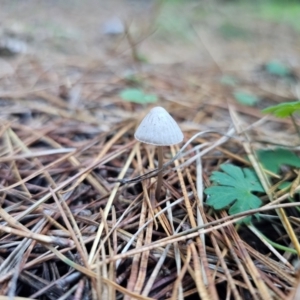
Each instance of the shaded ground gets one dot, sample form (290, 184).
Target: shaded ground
(172, 32)
(65, 126)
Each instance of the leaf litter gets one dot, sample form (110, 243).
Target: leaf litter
(70, 232)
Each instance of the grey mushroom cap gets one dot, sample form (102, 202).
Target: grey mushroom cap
(159, 128)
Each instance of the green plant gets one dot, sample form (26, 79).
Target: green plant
(263, 237)
(233, 187)
(286, 12)
(137, 96)
(284, 110)
(276, 68)
(245, 98)
(273, 159)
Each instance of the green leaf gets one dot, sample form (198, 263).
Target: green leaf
(245, 98)
(278, 69)
(285, 185)
(137, 96)
(233, 187)
(283, 110)
(273, 159)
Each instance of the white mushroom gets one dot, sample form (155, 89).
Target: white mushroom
(160, 129)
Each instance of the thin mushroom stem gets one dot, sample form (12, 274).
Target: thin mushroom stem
(160, 174)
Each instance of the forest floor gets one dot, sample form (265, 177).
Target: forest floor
(76, 215)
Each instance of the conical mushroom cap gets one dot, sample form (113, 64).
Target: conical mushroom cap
(159, 128)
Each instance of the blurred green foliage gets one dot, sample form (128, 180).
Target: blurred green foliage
(137, 96)
(283, 110)
(287, 12)
(245, 98)
(278, 11)
(276, 68)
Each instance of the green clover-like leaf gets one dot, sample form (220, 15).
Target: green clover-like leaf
(234, 188)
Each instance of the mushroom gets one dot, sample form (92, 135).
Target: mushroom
(160, 129)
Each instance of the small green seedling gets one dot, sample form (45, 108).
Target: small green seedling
(245, 98)
(137, 96)
(278, 69)
(233, 188)
(283, 110)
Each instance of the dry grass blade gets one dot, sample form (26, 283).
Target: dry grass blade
(181, 275)
(145, 255)
(264, 181)
(272, 249)
(38, 237)
(252, 269)
(180, 271)
(202, 291)
(136, 261)
(239, 263)
(231, 284)
(109, 204)
(189, 234)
